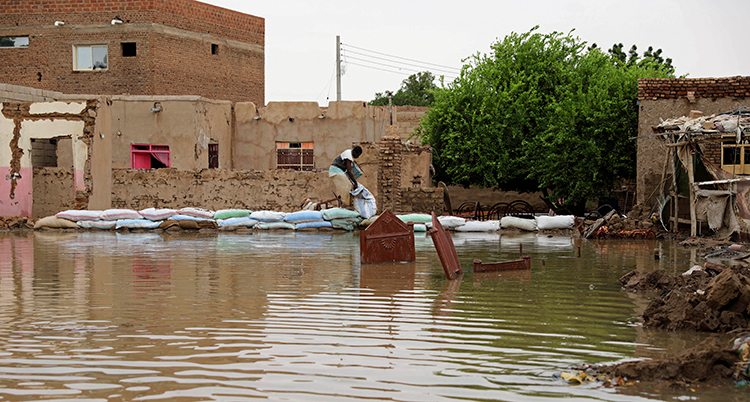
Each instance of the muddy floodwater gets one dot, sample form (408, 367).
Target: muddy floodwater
(104, 316)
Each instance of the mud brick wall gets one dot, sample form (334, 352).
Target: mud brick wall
(214, 189)
(423, 200)
(54, 190)
(183, 47)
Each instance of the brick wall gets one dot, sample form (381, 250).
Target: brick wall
(184, 14)
(173, 40)
(672, 88)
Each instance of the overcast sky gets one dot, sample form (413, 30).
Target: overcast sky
(385, 41)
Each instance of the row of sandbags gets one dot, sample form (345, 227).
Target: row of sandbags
(423, 222)
(153, 218)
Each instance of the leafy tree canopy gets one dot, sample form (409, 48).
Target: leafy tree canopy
(540, 112)
(417, 90)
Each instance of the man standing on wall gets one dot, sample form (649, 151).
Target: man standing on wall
(344, 173)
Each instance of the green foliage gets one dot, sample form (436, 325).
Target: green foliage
(540, 112)
(417, 90)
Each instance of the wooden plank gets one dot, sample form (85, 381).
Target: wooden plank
(523, 263)
(446, 250)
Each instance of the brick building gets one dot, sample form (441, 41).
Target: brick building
(664, 98)
(136, 47)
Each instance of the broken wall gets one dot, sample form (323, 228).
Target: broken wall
(663, 98)
(23, 123)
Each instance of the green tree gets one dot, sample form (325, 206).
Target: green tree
(417, 90)
(539, 113)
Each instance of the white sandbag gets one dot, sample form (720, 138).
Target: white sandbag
(276, 225)
(512, 222)
(364, 201)
(245, 221)
(555, 222)
(97, 224)
(420, 227)
(117, 214)
(76, 215)
(136, 224)
(450, 222)
(197, 212)
(268, 216)
(479, 226)
(154, 214)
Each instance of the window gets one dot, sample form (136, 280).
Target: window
(146, 156)
(128, 49)
(14, 41)
(295, 155)
(90, 57)
(43, 152)
(214, 48)
(735, 158)
(213, 156)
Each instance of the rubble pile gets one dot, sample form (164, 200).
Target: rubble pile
(708, 362)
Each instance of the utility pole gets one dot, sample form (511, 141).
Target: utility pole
(338, 68)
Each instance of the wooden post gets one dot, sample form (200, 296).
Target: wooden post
(675, 193)
(691, 182)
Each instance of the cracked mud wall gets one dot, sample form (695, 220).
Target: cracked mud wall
(20, 125)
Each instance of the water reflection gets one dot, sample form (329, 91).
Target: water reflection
(279, 315)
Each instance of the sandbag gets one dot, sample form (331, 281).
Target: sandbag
(420, 227)
(276, 225)
(196, 212)
(180, 217)
(154, 214)
(230, 213)
(268, 216)
(137, 224)
(304, 216)
(309, 225)
(555, 222)
(479, 226)
(420, 218)
(55, 223)
(448, 222)
(117, 214)
(79, 215)
(97, 224)
(245, 221)
(364, 201)
(339, 213)
(513, 222)
(346, 223)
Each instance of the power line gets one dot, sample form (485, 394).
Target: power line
(402, 58)
(451, 71)
(391, 71)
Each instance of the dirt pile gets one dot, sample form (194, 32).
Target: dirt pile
(708, 299)
(709, 361)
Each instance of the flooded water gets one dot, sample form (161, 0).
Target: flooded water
(102, 316)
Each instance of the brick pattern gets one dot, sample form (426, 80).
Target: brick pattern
(673, 88)
(167, 62)
(389, 174)
(186, 14)
(422, 200)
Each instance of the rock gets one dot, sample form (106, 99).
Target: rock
(724, 288)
